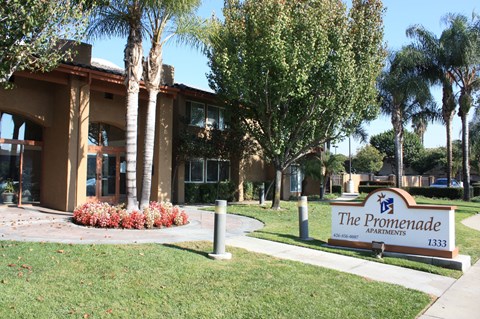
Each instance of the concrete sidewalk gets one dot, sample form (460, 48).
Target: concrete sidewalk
(461, 300)
(429, 283)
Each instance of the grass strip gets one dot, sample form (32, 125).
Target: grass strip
(40, 280)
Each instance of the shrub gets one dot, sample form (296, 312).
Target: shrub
(448, 192)
(475, 199)
(476, 190)
(247, 190)
(209, 192)
(337, 189)
(251, 190)
(103, 215)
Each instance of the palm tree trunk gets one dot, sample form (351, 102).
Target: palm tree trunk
(133, 69)
(149, 147)
(278, 187)
(466, 156)
(131, 148)
(448, 127)
(448, 112)
(152, 75)
(397, 122)
(398, 159)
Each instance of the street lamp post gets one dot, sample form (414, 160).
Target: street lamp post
(350, 182)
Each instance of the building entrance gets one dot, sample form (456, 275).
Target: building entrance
(106, 167)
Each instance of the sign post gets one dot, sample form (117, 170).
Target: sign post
(391, 216)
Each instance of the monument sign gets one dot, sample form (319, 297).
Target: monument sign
(391, 215)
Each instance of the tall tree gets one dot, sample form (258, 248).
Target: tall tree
(32, 32)
(321, 166)
(123, 18)
(435, 66)
(404, 95)
(297, 73)
(419, 126)
(385, 144)
(166, 19)
(368, 160)
(462, 42)
(474, 135)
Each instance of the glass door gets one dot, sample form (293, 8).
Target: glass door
(105, 176)
(108, 177)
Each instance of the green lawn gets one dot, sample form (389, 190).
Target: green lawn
(39, 280)
(282, 226)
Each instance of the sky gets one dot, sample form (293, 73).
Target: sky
(191, 65)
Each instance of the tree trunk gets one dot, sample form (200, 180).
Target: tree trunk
(448, 126)
(448, 112)
(465, 159)
(398, 160)
(131, 148)
(133, 70)
(152, 76)
(148, 149)
(397, 122)
(278, 188)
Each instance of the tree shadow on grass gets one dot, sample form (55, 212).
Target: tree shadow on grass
(313, 242)
(188, 249)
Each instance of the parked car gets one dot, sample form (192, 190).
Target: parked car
(442, 183)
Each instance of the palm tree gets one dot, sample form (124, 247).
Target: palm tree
(124, 18)
(403, 95)
(434, 67)
(462, 46)
(160, 14)
(419, 126)
(474, 135)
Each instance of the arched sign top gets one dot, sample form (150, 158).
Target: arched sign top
(407, 198)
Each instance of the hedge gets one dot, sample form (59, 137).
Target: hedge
(377, 183)
(207, 193)
(476, 190)
(337, 189)
(447, 192)
(368, 189)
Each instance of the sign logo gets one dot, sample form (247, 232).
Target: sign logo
(386, 204)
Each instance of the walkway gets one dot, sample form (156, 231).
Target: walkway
(458, 299)
(461, 300)
(32, 223)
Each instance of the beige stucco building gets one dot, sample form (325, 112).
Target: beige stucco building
(62, 138)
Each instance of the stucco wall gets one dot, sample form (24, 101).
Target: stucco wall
(109, 111)
(30, 98)
(55, 152)
(162, 185)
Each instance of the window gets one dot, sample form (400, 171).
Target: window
(218, 170)
(196, 114)
(201, 115)
(16, 127)
(213, 171)
(215, 117)
(296, 177)
(105, 135)
(194, 171)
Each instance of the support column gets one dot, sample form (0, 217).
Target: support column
(82, 125)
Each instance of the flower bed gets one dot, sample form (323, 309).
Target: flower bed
(104, 215)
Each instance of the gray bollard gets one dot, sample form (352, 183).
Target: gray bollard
(261, 194)
(303, 218)
(219, 231)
